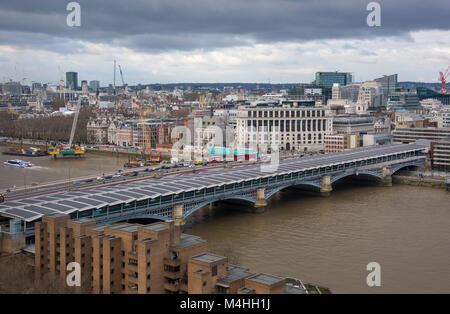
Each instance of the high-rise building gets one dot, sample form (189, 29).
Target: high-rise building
(35, 86)
(350, 91)
(388, 85)
(12, 88)
(84, 86)
(94, 85)
(72, 80)
(326, 80)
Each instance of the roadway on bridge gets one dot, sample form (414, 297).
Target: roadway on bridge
(124, 193)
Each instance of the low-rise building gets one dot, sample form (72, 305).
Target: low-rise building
(353, 125)
(339, 142)
(440, 154)
(409, 135)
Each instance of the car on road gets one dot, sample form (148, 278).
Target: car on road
(117, 175)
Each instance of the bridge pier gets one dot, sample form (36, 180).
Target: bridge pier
(178, 215)
(387, 178)
(326, 186)
(261, 201)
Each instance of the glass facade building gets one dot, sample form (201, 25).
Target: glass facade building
(327, 79)
(72, 80)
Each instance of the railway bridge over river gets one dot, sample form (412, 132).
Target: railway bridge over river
(178, 196)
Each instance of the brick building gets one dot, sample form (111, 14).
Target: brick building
(134, 258)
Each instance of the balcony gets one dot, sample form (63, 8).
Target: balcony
(172, 274)
(173, 287)
(172, 262)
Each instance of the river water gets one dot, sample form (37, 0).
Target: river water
(330, 241)
(323, 240)
(49, 169)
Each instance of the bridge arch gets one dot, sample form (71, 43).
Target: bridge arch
(396, 168)
(315, 185)
(367, 173)
(222, 198)
(137, 216)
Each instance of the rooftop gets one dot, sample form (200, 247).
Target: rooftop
(187, 240)
(235, 273)
(157, 226)
(208, 258)
(266, 279)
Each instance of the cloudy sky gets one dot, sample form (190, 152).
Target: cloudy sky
(169, 41)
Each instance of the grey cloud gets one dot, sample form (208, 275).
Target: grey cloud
(158, 25)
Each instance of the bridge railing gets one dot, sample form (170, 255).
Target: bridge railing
(162, 205)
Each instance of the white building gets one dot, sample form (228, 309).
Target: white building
(289, 126)
(369, 97)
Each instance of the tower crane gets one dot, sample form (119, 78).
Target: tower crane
(75, 120)
(442, 77)
(121, 76)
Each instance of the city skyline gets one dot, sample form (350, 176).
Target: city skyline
(251, 41)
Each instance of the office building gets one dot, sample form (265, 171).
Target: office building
(12, 88)
(440, 154)
(94, 85)
(72, 80)
(388, 84)
(293, 125)
(353, 125)
(427, 93)
(327, 79)
(403, 101)
(369, 97)
(409, 135)
(445, 114)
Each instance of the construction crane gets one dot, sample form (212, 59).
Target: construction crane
(442, 78)
(69, 150)
(75, 120)
(121, 76)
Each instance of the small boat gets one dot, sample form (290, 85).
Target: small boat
(18, 163)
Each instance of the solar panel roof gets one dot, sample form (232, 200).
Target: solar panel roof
(124, 192)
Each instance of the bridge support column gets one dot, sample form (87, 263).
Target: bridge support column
(387, 178)
(326, 186)
(261, 201)
(178, 215)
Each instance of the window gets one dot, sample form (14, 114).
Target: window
(214, 270)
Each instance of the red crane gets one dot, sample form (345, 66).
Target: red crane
(442, 78)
